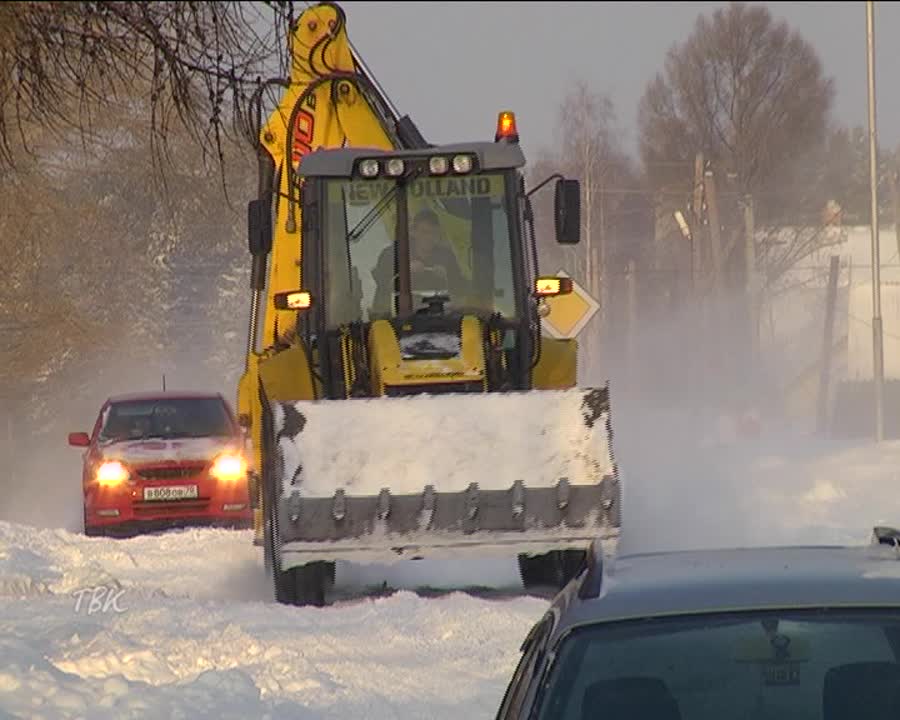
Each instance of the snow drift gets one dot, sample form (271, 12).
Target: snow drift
(197, 635)
(184, 638)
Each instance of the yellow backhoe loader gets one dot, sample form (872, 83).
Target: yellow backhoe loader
(402, 401)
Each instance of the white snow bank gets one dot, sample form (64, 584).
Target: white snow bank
(448, 441)
(770, 488)
(384, 659)
(171, 626)
(33, 687)
(183, 637)
(833, 497)
(197, 563)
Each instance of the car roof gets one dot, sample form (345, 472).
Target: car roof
(164, 395)
(689, 581)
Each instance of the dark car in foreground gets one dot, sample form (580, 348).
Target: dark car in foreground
(801, 633)
(163, 460)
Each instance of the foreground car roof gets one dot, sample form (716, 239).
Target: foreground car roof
(669, 583)
(163, 395)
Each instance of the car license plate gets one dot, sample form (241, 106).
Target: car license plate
(171, 492)
(781, 674)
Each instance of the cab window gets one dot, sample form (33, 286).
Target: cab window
(460, 245)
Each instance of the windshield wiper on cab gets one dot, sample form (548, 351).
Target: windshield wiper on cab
(381, 206)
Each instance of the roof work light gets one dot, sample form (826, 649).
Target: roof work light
(506, 127)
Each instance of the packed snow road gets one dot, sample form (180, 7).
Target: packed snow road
(182, 625)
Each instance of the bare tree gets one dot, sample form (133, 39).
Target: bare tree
(587, 148)
(106, 273)
(585, 120)
(63, 64)
(96, 100)
(840, 170)
(746, 91)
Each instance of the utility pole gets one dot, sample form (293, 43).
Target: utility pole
(10, 442)
(698, 220)
(750, 263)
(877, 336)
(632, 322)
(827, 345)
(895, 198)
(716, 310)
(599, 292)
(715, 237)
(700, 354)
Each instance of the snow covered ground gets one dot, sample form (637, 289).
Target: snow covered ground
(780, 487)
(183, 625)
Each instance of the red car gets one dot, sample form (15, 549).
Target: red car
(164, 460)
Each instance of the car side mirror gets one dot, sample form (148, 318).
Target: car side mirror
(79, 439)
(259, 228)
(567, 212)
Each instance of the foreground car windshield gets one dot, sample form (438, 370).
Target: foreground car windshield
(809, 665)
(166, 419)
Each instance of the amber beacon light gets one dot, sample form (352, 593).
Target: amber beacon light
(506, 127)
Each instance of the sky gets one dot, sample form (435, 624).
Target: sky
(452, 66)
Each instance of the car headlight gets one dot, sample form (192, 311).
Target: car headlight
(229, 467)
(112, 473)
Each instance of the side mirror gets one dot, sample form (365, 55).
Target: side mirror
(293, 300)
(79, 439)
(567, 211)
(259, 228)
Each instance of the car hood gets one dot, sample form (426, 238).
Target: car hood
(177, 450)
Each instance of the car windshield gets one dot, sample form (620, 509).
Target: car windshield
(459, 244)
(165, 419)
(815, 665)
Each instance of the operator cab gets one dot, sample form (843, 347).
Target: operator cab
(404, 228)
(424, 238)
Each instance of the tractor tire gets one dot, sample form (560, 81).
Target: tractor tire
(312, 583)
(307, 584)
(551, 571)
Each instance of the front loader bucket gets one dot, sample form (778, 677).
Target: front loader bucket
(374, 480)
